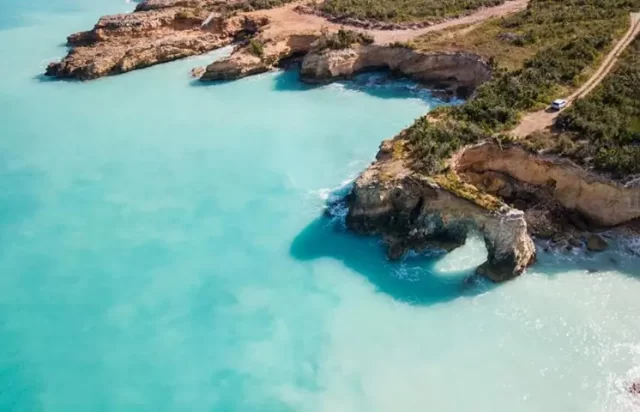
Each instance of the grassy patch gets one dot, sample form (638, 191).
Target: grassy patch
(251, 5)
(398, 11)
(399, 150)
(453, 184)
(512, 40)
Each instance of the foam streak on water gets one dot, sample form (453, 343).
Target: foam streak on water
(164, 247)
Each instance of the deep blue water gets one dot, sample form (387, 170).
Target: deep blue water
(163, 247)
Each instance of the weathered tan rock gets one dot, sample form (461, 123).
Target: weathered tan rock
(409, 209)
(461, 72)
(162, 33)
(236, 66)
(244, 61)
(604, 202)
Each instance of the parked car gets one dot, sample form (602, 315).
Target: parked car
(558, 104)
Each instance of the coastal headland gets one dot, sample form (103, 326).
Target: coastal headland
(502, 164)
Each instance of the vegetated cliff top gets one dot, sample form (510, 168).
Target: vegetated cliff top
(538, 54)
(402, 11)
(602, 130)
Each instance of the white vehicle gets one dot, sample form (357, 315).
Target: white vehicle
(558, 104)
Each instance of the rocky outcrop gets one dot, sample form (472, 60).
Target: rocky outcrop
(161, 31)
(410, 210)
(601, 202)
(459, 72)
(248, 60)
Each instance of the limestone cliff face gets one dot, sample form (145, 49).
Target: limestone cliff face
(460, 72)
(409, 210)
(244, 62)
(603, 202)
(160, 31)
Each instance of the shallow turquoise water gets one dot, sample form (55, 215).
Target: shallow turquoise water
(162, 247)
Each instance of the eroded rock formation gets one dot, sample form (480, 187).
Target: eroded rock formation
(248, 60)
(159, 31)
(458, 72)
(600, 201)
(410, 210)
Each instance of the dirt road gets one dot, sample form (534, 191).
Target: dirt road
(286, 21)
(544, 119)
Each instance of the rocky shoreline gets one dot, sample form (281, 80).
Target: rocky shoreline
(529, 196)
(157, 32)
(410, 211)
(457, 73)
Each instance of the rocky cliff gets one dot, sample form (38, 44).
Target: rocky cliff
(504, 170)
(458, 72)
(260, 56)
(159, 31)
(411, 211)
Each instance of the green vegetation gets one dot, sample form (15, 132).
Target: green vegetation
(546, 24)
(453, 184)
(562, 39)
(603, 129)
(251, 5)
(402, 10)
(256, 47)
(342, 39)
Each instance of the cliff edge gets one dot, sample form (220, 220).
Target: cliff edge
(411, 211)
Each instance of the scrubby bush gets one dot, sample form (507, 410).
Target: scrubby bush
(250, 5)
(402, 10)
(342, 39)
(256, 47)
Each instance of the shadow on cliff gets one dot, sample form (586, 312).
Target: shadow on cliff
(413, 280)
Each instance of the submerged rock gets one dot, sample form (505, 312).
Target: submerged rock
(596, 243)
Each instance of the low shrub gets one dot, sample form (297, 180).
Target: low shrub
(402, 10)
(342, 39)
(256, 47)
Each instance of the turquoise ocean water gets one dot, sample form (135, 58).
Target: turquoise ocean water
(163, 248)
